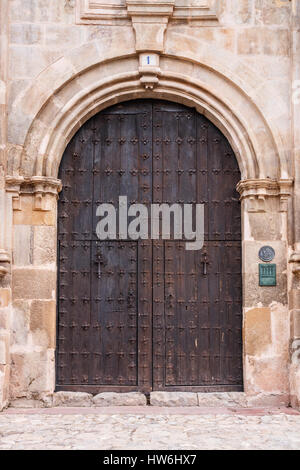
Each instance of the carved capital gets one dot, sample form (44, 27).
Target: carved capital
(295, 260)
(257, 191)
(13, 186)
(4, 263)
(40, 186)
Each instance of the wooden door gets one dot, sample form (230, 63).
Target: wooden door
(149, 315)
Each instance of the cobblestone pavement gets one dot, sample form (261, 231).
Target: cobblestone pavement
(149, 428)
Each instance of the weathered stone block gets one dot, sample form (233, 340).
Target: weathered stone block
(294, 299)
(30, 373)
(226, 399)
(43, 317)
(295, 324)
(25, 403)
(4, 385)
(258, 331)
(28, 61)
(2, 403)
(120, 399)
(20, 320)
(72, 399)
(25, 33)
(86, 58)
(262, 400)
(269, 374)
(15, 88)
(5, 297)
(44, 245)
(33, 401)
(23, 240)
(30, 283)
(64, 35)
(273, 13)
(4, 318)
(254, 295)
(4, 348)
(28, 216)
(22, 10)
(263, 41)
(173, 399)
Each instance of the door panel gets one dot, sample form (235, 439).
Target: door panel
(149, 315)
(200, 331)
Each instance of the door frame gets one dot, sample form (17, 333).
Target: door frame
(120, 388)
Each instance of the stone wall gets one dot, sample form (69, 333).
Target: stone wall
(5, 279)
(294, 294)
(241, 64)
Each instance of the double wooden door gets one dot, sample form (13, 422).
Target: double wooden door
(148, 314)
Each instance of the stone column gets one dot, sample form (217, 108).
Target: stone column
(265, 205)
(5, 290)
(294, 294)
(33, 315)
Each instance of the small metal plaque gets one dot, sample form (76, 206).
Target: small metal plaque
(266, 254)
(267, 275)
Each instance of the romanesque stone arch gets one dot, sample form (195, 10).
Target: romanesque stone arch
(97, 75)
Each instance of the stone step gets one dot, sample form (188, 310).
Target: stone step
(215, 400)
(78, 399)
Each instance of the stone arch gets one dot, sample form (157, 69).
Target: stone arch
(73, 89)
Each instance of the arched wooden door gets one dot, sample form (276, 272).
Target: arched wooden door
(149, 315)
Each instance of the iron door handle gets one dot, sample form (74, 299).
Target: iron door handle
(99, 262)
(205, 264)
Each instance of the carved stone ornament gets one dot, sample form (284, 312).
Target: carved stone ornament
(120, 11)
(295, 260)
(40, 186)
(257, 191)
(4, 263)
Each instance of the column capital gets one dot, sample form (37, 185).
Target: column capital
(256, 192)
(39, 186)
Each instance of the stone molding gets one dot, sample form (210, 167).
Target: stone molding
(4, 263)
(120, 11)
(97, 11)
(39, 186)
(257, 191)
(149, 21)
(44, 146)
(295, 261)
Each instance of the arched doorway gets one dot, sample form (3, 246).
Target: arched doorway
(149, 315)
